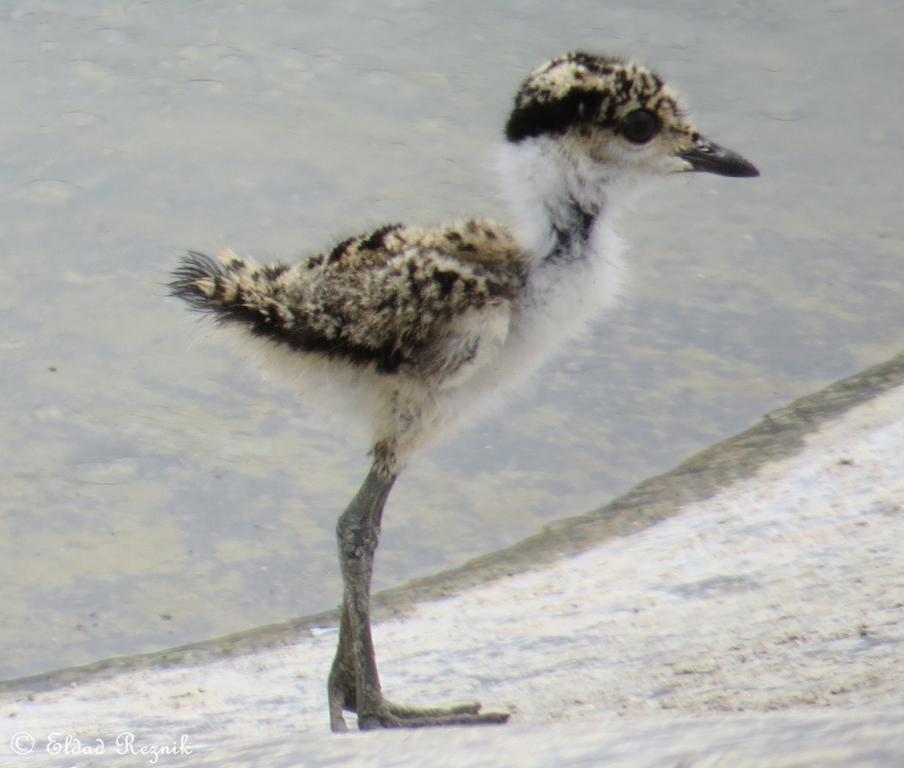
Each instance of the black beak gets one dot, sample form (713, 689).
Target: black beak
(711, 158)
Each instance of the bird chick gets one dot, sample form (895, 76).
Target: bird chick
(420, 326)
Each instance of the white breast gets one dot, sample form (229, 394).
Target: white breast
(559, 303)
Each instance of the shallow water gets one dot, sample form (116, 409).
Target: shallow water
(156, 491)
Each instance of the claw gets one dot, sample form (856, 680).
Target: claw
(393, 716)
(401, 711)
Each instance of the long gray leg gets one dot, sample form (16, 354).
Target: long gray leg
(342, 689)
(354, 683)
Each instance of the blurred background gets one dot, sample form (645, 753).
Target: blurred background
(154, 490)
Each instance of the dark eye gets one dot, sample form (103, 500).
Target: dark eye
(640, 126)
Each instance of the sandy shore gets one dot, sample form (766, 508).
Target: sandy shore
(757, 624)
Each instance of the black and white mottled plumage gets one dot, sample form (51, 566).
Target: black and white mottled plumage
(419, 326)
(386, 299)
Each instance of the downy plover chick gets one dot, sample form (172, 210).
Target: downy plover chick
(416, 326)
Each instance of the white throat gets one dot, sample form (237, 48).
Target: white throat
(560, 201)
(563, 216)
